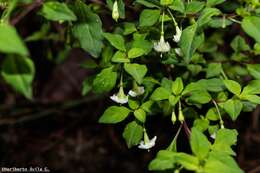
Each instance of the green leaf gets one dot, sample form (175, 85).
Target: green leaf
(105, 80)
(225, 138)
(239, 44)
(187, 43)
(140, 114)
(135, 52)
(252, 88)
(10, 41)
(86, 86)
(252, 98)
(254, 70)
(206, 15)
(194, 6)
(164, 160)
(214, 2)
(147, 106)
(166, 2)
(129, 28)
(213, 85)
(114, 114)
(19, 73)
(219, 162)
(212, 114)
(201, 124)
(200, 145)
(233, 108)
(89, 31)
(137, 71)
(178, 5)
(160, 94)
(251, 25)
(200, 97)
(149, 17)
(116, 40)
(133, 134)
(177, 86)
(120, 57)
(214, 69)
(189, 162)
(233, 86)
(57, 11)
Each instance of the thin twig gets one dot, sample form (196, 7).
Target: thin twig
(27, 10)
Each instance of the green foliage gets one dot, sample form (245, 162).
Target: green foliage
(171, 58)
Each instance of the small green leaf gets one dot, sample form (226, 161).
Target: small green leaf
(254, 70)
(177, 86)
(206, 15)
(239, 44)
(57, 11)
(10, 41)
(140, 114)
(225, 138)
(160, 94)
(164, 160)
(120, 57)
(133, 134)
(149, 17)
(135, 52)
(219, 162)
(194, 6)
(233, 108)
(214, 69)
(19, 73)
(178, 5)
(190, 42)
(251, 25)
(105, 80)
(200, 97)
(214, 2)
(116, 40)
(252, 88)
(189, 162)
(233, 86)
(137, 71)
(200, 145)
(114, 114)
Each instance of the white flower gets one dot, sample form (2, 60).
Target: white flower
(213, 135)
(177, 36)
(147, 145)
(136, 92)
(178, 51)
(115, 12)
(162, 46)
(120, 97)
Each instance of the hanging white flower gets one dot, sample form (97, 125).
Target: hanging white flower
(120, 97)
(136, 91)
(177, 36)
(147, 145)
(162, 46)
(115, 11)
(213, 135)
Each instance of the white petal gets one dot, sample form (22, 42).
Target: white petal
(149, 145)
(162, 46)
(116, 99)
(178, 51)
(177, 36)
(132, 93)
(213, 135)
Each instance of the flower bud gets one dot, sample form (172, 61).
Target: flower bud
(180, 115)
(115, 12)
(173, 118)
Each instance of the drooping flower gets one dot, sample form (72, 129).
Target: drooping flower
(162, 46)
(120, 97)
(115, 11)
(180, 115)
(177, 36)
(147, 144)
(136, 91)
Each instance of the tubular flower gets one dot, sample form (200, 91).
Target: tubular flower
(120, 97)
(162, 46)
(115, 12)
(136, 91)
(147, 144)
(177, 36)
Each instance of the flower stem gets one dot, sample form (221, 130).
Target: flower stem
(220, 118)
